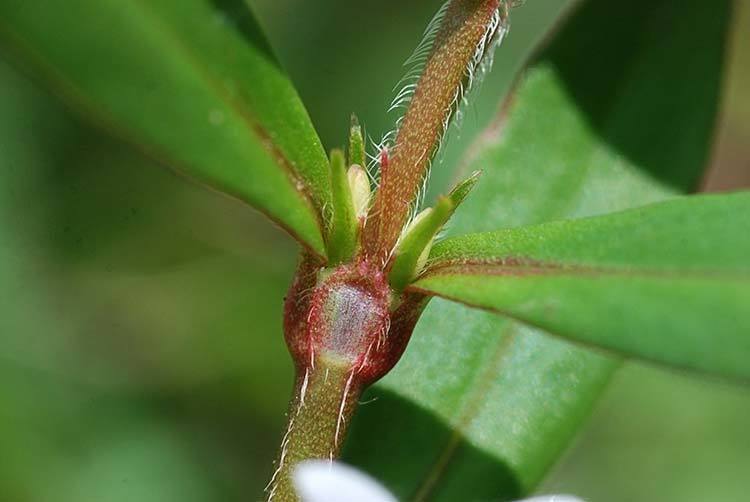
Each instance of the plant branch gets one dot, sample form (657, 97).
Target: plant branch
(466, 34)
(325, 398)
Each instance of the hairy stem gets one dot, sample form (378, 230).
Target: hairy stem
(324, 400)
(464, 33)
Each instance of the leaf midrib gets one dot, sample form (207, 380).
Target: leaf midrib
(70, 93)
(548, 210)
(244, 115)
(500, 267)
(469, 408)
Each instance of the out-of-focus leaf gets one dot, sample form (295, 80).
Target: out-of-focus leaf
(668, 282)
(95, 344)
(190, 82)
(691, 431)
(617, 112)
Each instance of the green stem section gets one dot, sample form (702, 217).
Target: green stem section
(324, 400)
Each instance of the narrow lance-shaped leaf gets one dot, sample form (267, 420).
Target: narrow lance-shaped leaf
(617, 112)
(414, 247)
(668, 282)
(342, 241)
(189, 82)
(416, 242)
(356, 144)
(464, 188)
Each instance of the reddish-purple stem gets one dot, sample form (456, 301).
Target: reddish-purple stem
(465, 24)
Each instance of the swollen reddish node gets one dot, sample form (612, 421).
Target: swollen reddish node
(344, 317)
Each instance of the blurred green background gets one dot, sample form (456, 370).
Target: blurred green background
(141, 356)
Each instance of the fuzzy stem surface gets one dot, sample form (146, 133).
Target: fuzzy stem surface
(463, 30)
(324, 400)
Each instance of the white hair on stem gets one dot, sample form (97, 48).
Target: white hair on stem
(404, 90)
(478, 66)
(272, 485)
(416, 62)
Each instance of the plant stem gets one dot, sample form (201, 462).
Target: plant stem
(325, 397)
(465, 34)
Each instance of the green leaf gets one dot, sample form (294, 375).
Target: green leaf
(414, 244)
(141, 244)
(463, 188)
(342, 241)
(192, 84)
(668, 282)
(618, 112)
(356, 144)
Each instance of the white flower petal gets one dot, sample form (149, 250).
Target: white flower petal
(324, 481)
(552, 498)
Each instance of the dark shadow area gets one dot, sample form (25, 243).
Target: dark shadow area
(655, 93)
(242, 19)
(420, 465)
